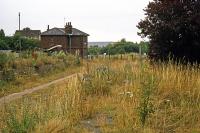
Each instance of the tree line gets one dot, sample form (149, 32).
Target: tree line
(120, 47)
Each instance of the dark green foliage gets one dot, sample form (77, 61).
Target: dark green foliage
(144, 47)
(2, 34)
(17, 43)
(173, 28)
(94, 50)
(147, 89)
(3, 60)
(8, 75)
(3, 45)
(120, 47)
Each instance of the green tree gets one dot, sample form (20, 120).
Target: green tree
(17, 42)
(3, 45)
(94, 50)
(2, 34)
(173, 28)
(120, 47)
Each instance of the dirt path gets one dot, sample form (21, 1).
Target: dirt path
(15, 96)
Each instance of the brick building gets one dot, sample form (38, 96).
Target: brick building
(28, 33)
(72, 40)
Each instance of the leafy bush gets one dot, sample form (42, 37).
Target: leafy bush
(17, 43)
(8, 75)
(147, 89)
(23, 125)
(3, 60)
(77, 61)
(2, 34)
(94, 50)
(3, 45)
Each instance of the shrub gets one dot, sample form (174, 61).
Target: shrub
(23, 125)
(148, 86)
(8, 75)
(77, 61)
(3, 60)
(3, 45)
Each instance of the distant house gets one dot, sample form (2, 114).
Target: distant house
(71, 39)
(28, 33)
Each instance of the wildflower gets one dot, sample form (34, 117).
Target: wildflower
(127, 94)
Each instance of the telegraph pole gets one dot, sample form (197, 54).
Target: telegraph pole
(19, 21)
(19, 32)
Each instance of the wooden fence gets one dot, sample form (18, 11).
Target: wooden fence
(132, 57)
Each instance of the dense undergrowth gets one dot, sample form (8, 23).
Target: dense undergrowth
(135, 96)
(16, 69)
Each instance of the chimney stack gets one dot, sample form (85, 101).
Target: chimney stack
(68, 28)
(48, 28)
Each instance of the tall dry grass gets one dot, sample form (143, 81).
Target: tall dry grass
(114, 96)
(24, 72)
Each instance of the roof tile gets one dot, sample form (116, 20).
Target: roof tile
(61, 31)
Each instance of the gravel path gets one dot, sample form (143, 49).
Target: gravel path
(15, 96)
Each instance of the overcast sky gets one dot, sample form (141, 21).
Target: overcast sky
(104, 20)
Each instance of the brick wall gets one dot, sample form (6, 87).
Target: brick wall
(78, 43)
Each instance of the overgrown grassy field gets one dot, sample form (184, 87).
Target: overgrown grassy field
(113, 96)
(29, 70)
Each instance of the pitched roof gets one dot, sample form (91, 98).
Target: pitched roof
(28, 33)
(61, 31)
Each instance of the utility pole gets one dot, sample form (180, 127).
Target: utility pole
(20, 45)
(19, 21)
